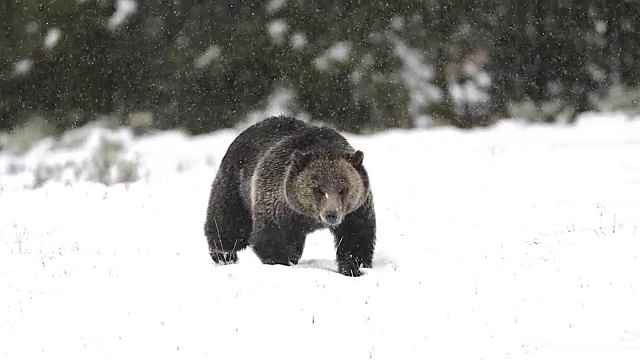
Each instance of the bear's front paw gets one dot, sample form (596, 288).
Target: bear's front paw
(349, 268)
(224, 257)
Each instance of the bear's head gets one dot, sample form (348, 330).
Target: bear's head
(326, 186)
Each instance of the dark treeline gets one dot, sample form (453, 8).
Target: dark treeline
(202, 65)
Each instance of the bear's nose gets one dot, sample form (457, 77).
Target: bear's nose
(331, 217)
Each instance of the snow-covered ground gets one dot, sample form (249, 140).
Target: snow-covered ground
(518, 242)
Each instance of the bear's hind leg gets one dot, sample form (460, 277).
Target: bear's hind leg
(355, 240)
(227, 226)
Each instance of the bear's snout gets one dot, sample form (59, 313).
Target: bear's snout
(331, 217)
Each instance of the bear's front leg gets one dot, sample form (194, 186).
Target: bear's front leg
(275, 244)
(355, 240)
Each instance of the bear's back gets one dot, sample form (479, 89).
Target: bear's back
(278, 137)
(247, 148)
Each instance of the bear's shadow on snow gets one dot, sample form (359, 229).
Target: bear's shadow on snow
(331, 266)
(321, 264)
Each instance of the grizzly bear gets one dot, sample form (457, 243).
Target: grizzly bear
(282, 179)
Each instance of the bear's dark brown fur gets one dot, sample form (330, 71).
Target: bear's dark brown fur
(282, 179)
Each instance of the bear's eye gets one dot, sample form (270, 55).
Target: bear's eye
(318, 191)
(343, 192)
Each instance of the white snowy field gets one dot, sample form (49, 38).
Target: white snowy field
(517, 242)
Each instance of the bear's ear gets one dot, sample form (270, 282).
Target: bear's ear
(299, 158)
(356, 158)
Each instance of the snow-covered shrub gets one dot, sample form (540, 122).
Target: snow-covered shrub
(22, 138)
(92, 153)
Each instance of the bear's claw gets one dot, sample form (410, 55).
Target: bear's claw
(224, 257)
